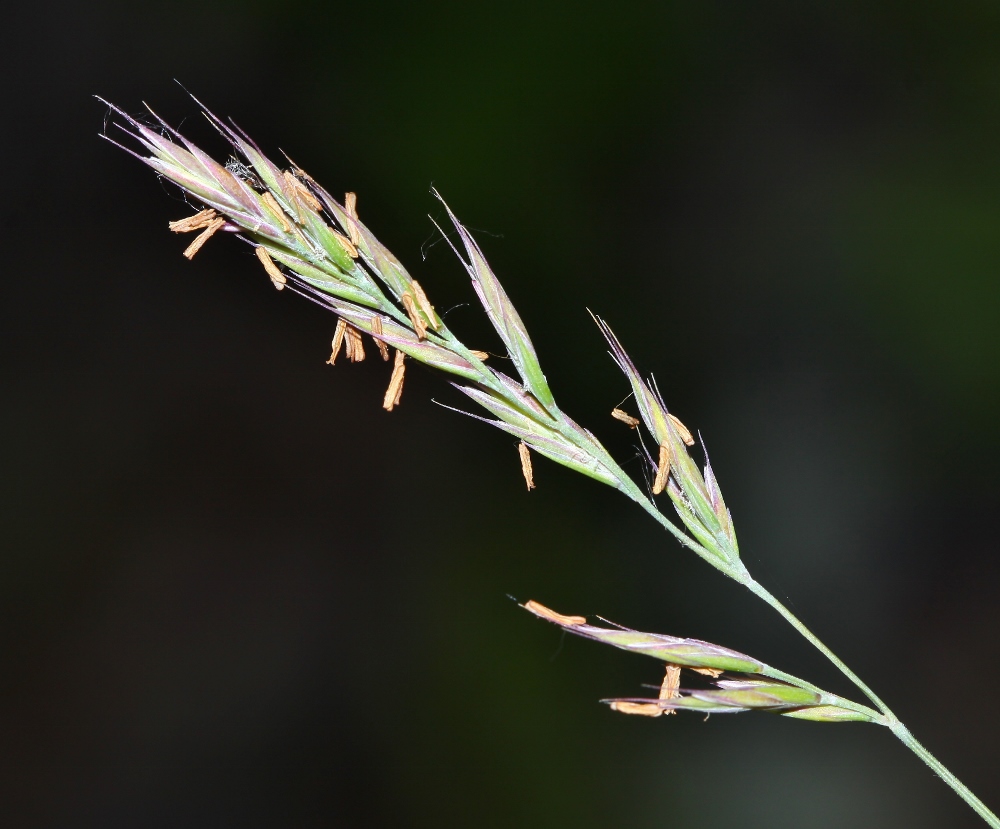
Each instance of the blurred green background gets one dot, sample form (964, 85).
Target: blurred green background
(235, 592)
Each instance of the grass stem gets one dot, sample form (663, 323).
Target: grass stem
(938, 767)
(889, 719)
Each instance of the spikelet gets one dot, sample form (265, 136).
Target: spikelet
(687, 653)
(502, 314)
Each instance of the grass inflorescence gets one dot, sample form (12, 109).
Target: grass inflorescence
(309, 242)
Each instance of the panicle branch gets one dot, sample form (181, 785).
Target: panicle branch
(696, 496)
(750, 685)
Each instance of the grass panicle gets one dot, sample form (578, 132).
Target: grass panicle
(314, 245)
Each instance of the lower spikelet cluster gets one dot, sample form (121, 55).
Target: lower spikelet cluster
(750, 685)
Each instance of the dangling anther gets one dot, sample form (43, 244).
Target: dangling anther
(402, 374)
(395, 390)
(480, 355)
(303, 192)
(715, 673)
(351, 207)
(272, 205)
(298, 170)
(207, 221)
(625, 418)
(544, 612)
(377, 330)
(354, 346)
(662, 469)
(525, 453)
(670, 687)
(424, 304)
(417, 321)
(346, 244)
(277, 277)
(338, 340)
(682, 430)
(204, 236)
(201, 219)
(643, 709)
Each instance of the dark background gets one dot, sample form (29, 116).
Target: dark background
(235, 592)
